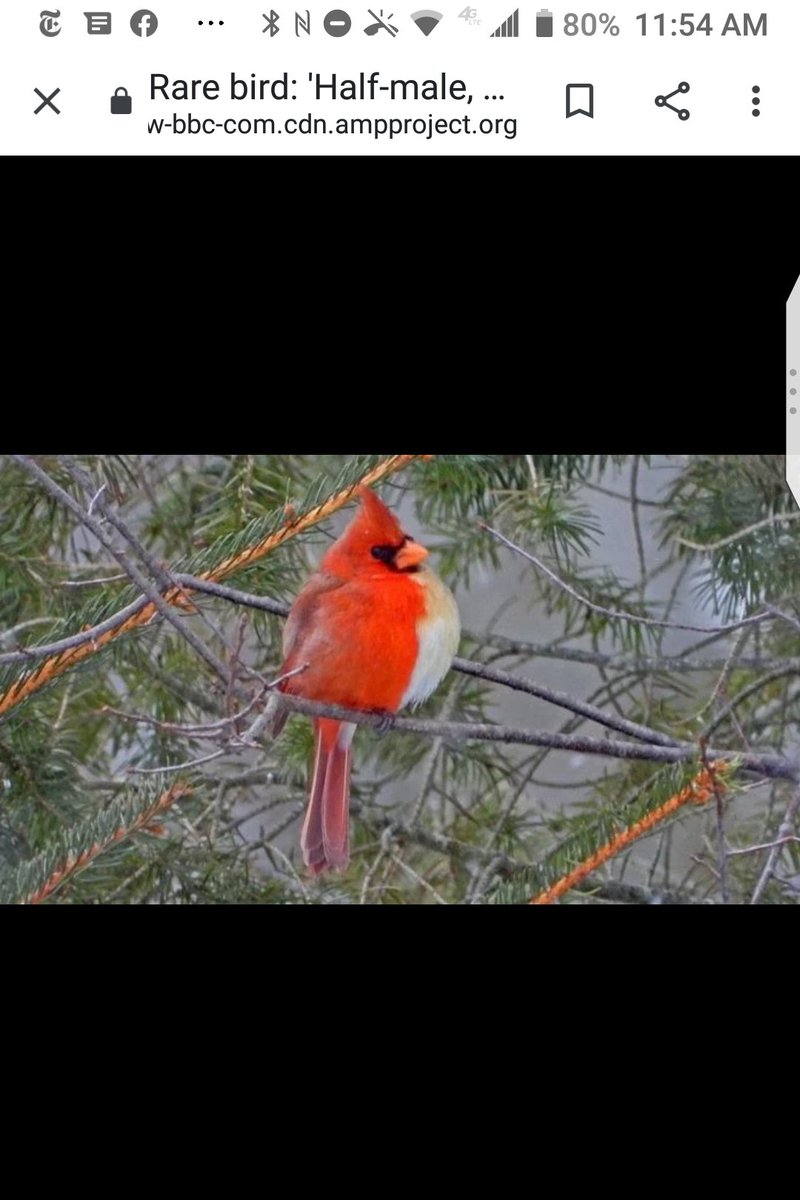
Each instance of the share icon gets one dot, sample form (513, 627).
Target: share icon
(663, 101)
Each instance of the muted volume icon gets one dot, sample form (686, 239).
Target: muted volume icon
(509, 28)
(426, 20)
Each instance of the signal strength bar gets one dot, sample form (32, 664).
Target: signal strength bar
(509, 28)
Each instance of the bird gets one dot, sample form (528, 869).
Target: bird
(373, 628)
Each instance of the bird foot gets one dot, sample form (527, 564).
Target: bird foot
(386, 721)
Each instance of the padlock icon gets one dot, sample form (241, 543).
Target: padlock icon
(121, 103)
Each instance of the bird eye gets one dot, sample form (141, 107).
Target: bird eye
(384, 553)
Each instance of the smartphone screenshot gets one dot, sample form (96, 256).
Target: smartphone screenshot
(238, 77)
(232, 676)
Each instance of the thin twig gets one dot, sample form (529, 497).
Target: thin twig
(710, 547)
(8, 635)
(125, 561)
(562, 700)
(423, 883)
(621, 662)
(213, 730)
(85, 637)
(190, 765)
(783, 841)
(161, 576)
(745, 694)
(618, 614)
(211, 588)
(785, 830)
(80, 583)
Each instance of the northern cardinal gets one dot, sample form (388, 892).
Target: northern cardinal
(378, 630)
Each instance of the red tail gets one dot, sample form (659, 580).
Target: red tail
(326, 830)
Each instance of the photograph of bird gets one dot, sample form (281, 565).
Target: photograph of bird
(378, 630)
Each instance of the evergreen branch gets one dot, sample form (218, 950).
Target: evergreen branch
(161, 577)
(158, 602)
(90, 641)
(320, 512)
(747, 692)
(621, 662)
(732, 538)
(186, 582)
(618, 614)
(701, 789)
(501, 865)
(39, 878)
(85, 638)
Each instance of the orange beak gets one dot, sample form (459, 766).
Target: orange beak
(410, 555)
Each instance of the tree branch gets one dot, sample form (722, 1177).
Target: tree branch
(622, 662)
(618, 614)
(771, 766)
(704, 785)
(710, 547)
(73, 865)
(562, 700)
(784, 832)
(124, 560)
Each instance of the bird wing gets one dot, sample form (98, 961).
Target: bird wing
(304, 621)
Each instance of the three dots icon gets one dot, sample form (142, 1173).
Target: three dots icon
(793, 391)
(756, 101)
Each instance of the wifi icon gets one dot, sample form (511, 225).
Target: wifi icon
(426, 20)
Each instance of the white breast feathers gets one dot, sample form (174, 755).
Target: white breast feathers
(438, 633)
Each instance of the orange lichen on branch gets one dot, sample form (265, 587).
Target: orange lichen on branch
(705, 785)
(144, 822)
(59, 663)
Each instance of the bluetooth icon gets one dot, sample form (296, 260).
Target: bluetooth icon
(271, 26)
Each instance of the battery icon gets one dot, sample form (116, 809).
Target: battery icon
(544, 23)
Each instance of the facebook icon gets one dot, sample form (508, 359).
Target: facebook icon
(144, 23)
